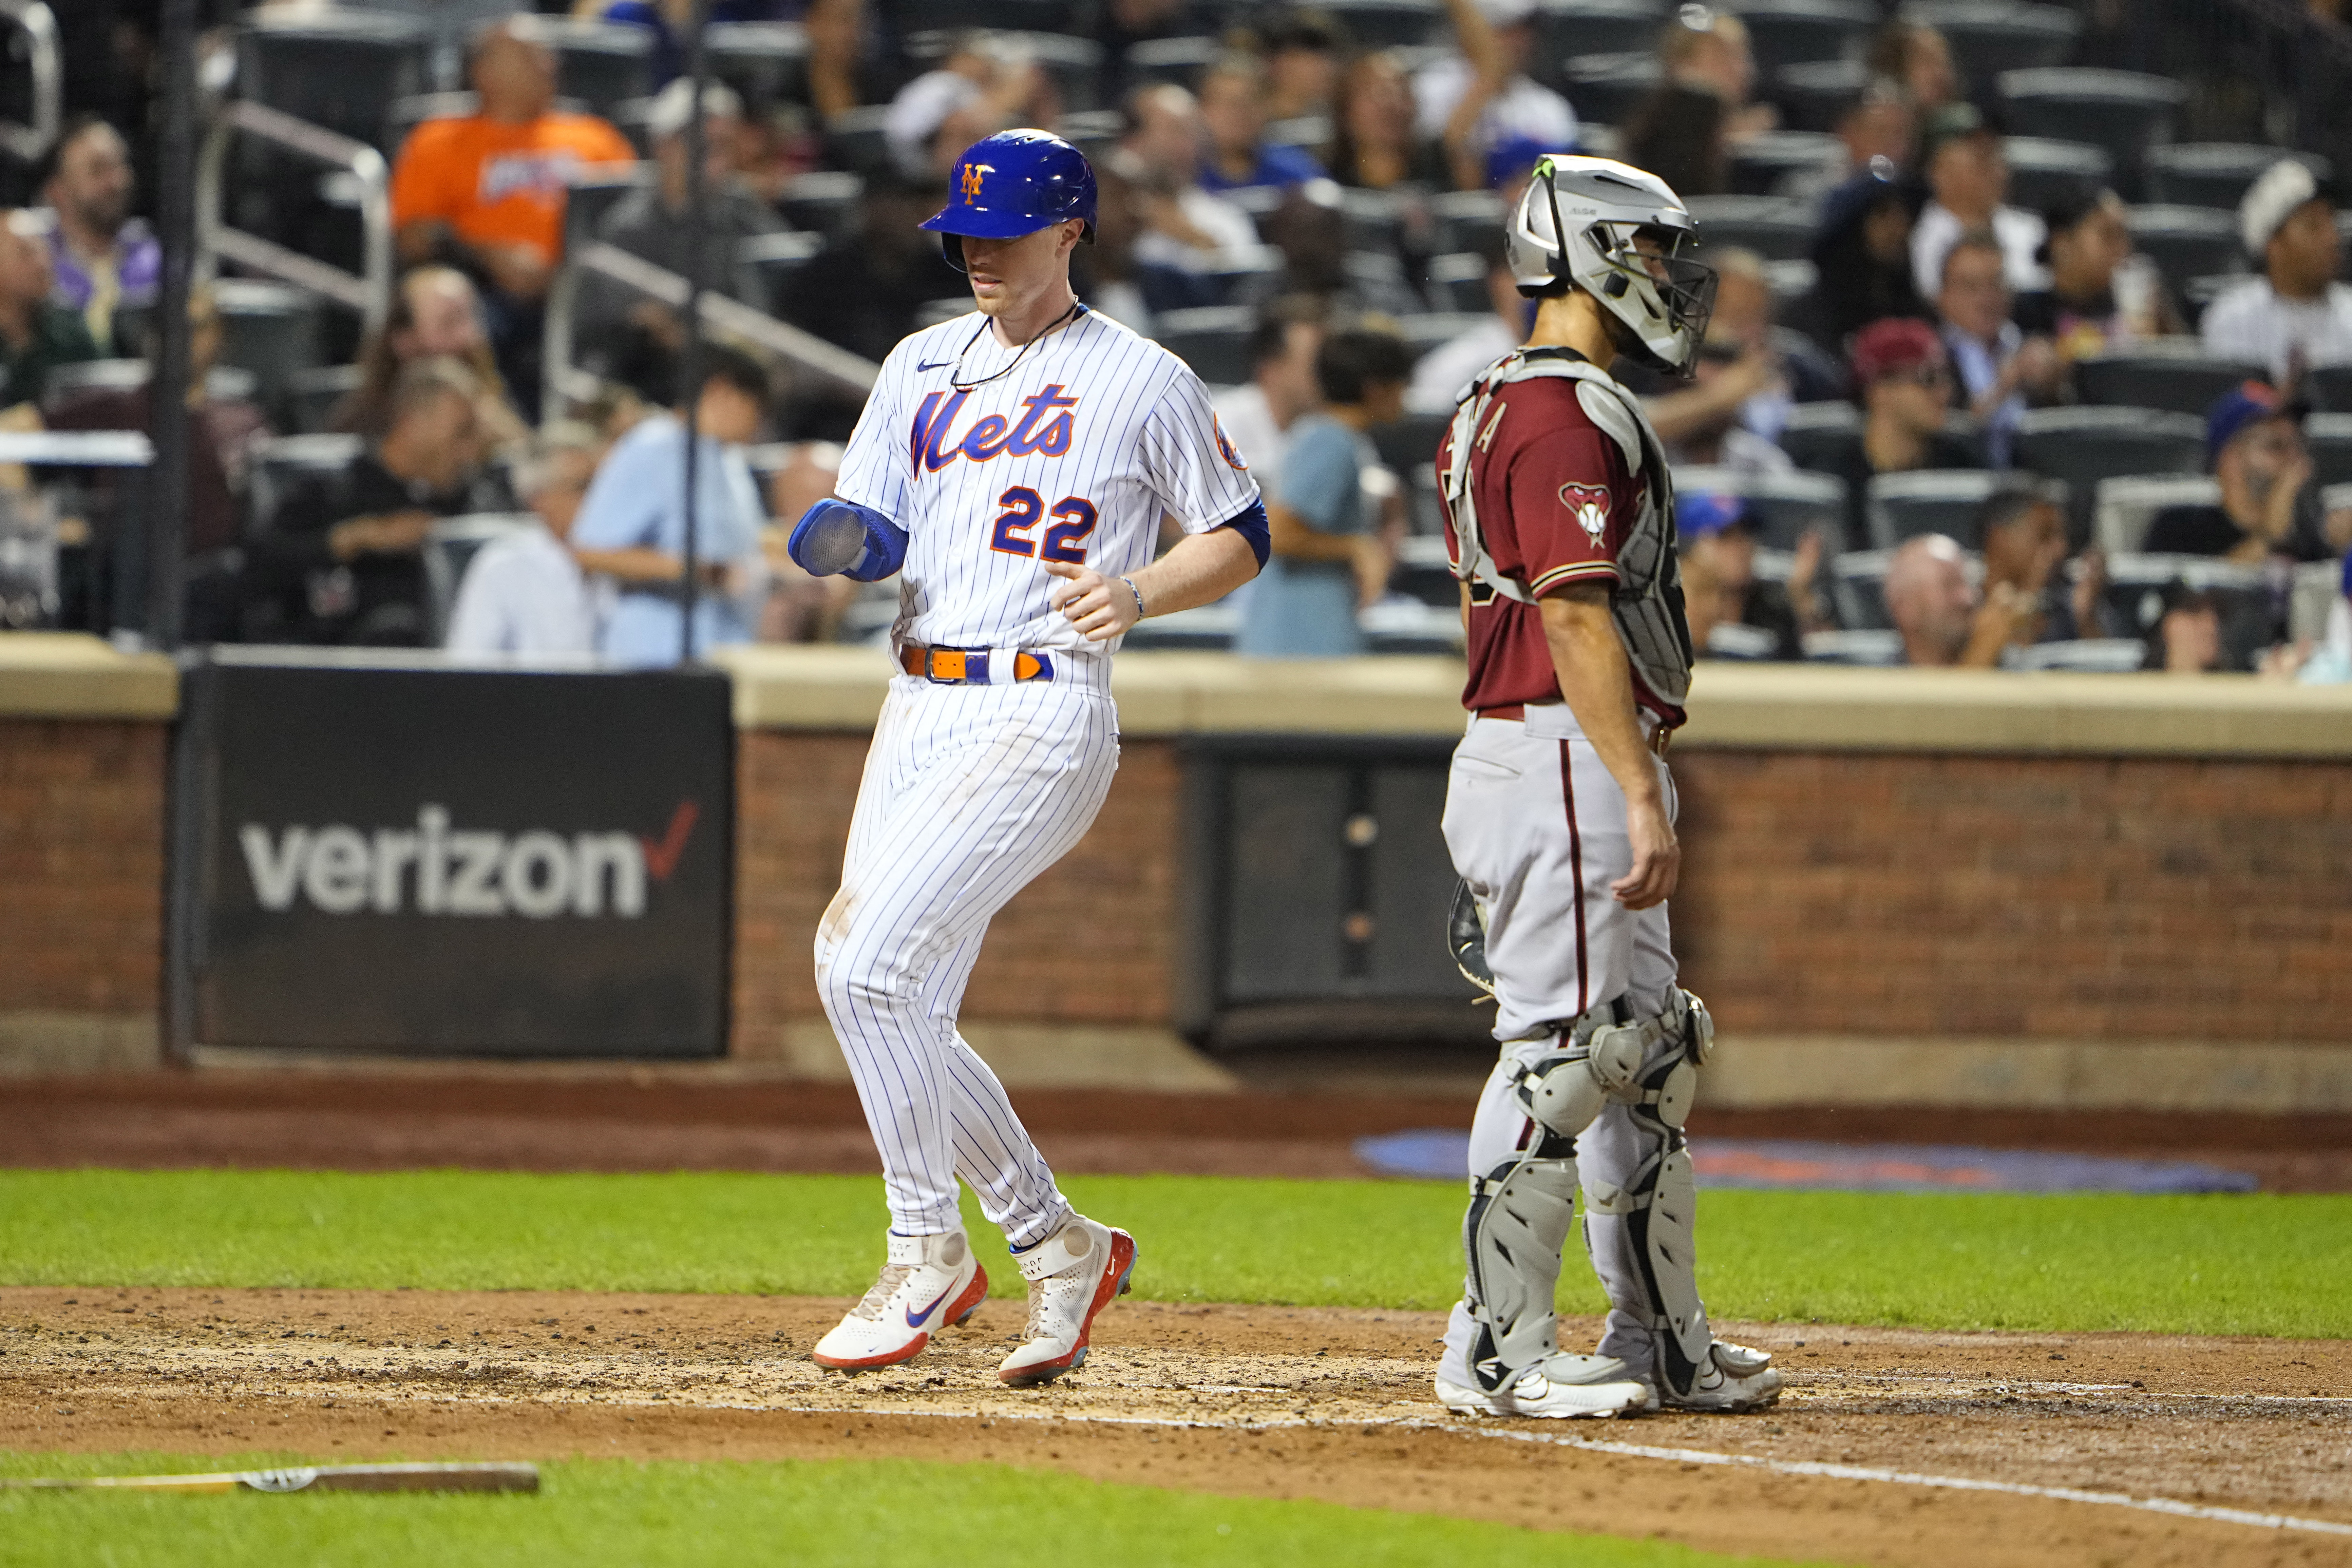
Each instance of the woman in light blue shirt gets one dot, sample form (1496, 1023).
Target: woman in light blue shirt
(632, 526)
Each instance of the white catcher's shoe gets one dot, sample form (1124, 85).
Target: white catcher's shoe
(1560, 1386)
(1072, 1274)
(930, 1282)
(1734, 1379)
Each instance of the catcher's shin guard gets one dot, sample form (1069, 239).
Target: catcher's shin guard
(1519, 1221)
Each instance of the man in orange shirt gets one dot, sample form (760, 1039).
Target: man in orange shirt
(484, 192)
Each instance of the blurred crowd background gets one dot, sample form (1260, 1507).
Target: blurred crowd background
(2033, 348)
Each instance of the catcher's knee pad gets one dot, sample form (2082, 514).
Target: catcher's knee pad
(1651, 1063)
(1511, 1238)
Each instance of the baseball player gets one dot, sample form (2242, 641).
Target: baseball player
(1559, 814)
(1012, 467)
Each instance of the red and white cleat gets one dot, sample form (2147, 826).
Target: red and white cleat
(1072, 1275)
(929, 1283)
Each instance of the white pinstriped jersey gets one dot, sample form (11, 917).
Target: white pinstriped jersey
(1073, 454)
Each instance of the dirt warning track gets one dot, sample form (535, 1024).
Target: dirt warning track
(1889, 1447)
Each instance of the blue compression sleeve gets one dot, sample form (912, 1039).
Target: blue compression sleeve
(1250, 524)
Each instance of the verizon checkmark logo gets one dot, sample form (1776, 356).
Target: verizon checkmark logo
(439, 868)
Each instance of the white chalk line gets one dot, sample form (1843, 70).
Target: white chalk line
(1819, 1469)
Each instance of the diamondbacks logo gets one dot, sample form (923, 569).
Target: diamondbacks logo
(1588, 505)
(971, 173)
(1225, 447)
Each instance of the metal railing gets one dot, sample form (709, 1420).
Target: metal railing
(724, 317)
(370, 293)
(31, 142)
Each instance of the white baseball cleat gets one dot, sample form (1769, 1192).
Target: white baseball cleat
(930, 1282)
(1073, 1275)
(1734, 1379)
(1559, 1387)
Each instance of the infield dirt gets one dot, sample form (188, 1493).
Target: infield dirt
(1262, 1401)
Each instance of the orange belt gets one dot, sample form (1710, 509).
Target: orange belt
(969, 666)
(1660, 738)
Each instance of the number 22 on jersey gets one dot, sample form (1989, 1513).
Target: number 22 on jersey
(1024, 508)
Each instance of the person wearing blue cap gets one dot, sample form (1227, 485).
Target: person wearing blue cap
(2253, 446)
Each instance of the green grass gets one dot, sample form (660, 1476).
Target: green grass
(2260, 1264)
(849, 1512)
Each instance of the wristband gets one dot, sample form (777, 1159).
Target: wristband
(1139, 611)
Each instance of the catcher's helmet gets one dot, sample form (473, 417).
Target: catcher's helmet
(1577, 224)
(1013, 184)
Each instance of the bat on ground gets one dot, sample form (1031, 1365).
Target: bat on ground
(318, 1478)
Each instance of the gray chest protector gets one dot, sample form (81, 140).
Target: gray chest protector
(1647, 602)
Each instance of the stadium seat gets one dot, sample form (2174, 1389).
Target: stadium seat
(2042, 171)
(2331, 387)
(1426, 331)
(597, 190)
(1567, 28)
(67, 381)
(2329, 438)
(1760, 163)
(856, 139)
(449, 548)
(2085, 445)
(1386, 24)
(2083, 655)
(1783, 508)
(1773, 227)
(1177, 60)
(342, 69)
(2122, 111)
(281, 463)
(1421, 509)
(911, 17)
(2134, 597)
(1822, 435)
(1902, 507)
(313, 395)
(1738, 641)
(1404, 445)
(1603, 89)
(1399, 624)
(2312, 598)
(824, 202)
(270, 328)
(1816, 93)
(1458, 282)
(1214, 341)
(2214, 174)
(1210, 628)
(1311, 131)
(767, 62)
(1466, 218)
(776, 257)
(2174, 373)
(1989, 36)
(1783, 33)
(1877, 647)
(1372, 220)
(2187, 242)
(2125, 504)
(601, 63)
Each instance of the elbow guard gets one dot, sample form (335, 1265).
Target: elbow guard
(1250, 524)
(843, 537)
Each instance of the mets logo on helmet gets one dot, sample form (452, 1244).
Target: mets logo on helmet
(971, 173)
(1588, 504)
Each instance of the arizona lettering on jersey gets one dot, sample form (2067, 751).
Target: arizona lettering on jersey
(998, 460)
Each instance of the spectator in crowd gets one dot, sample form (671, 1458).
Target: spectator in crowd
(1863, 255)
(2098, 294)
(2254, 447)
(1946, 621)
(1709, 603)
(1329, 559)
(524, 594)
(863, 289)
(631, 525)
(1715, 537)
(1493, 42)
(1234, 99)
(37, 334)
(1968, 175)
(2024, 532)
(1373, 144)
(1185, 229)
(836, 30)
(340, 560)
(630, 336)
(985, 77)
(1304, 53)
(104, 259)
(484, 192)
(1258, 418)
(1445, 371)
(668, 19)
(1999, 368)
(1106, 272)
(1918, 59)
(1878, 124)
(1903, 380)
(435, 314)
(2295, 314)
(1310, 229)
(2186, 639)
(1737, 380)
(1684, 129)
(1119, 25)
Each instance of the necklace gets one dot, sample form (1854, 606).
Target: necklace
(955, 377)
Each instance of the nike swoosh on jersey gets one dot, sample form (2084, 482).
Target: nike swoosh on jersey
(915, 1319)
(944, 364)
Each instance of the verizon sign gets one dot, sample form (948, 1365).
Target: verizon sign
(460, 862)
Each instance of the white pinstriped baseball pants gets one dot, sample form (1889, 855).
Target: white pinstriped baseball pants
(970, 793)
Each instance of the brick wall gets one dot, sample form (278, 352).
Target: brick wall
(2067, 897)
(82, 865)
(1091, 941)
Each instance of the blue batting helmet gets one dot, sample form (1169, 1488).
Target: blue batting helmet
(1013, 184)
